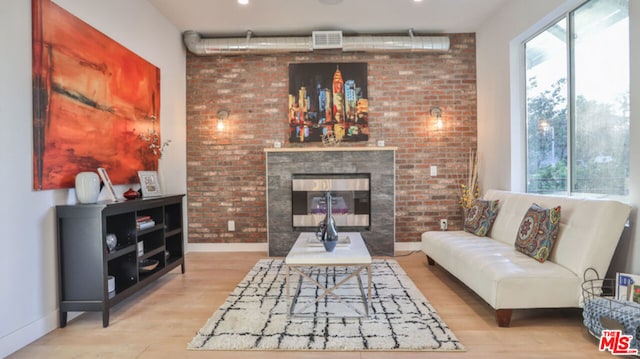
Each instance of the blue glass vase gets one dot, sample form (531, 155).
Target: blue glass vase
(328, 233)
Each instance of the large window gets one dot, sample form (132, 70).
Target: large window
(577, 98)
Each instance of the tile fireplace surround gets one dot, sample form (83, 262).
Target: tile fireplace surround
(379, 162)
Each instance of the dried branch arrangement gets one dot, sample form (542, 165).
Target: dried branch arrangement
(470, 190)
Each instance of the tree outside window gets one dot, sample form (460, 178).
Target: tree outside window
(578, 120)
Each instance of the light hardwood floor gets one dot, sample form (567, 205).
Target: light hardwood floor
(160, 321)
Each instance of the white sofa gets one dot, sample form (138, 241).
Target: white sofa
(507, 279)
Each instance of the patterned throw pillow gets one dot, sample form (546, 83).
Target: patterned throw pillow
(538, 232)
(480, 217)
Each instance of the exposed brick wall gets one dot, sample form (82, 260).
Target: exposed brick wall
(226, 171)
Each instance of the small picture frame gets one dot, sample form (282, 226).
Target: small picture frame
(149, 183)
(107, 183)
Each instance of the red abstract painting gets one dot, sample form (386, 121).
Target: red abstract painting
(95, 103)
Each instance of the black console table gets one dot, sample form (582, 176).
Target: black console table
(149, 244)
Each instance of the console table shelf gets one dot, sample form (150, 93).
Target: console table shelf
(85, 261)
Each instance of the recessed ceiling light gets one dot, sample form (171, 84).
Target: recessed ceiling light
(243, 2)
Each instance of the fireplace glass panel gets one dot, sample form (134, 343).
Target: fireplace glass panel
(350, 200)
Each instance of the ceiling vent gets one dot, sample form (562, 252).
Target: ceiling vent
(327, 39)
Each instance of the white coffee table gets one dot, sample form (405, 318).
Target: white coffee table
(309, 252)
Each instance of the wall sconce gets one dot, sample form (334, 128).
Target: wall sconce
(222, 115)
(437, 113)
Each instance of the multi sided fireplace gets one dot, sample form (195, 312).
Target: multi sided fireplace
(350, 194)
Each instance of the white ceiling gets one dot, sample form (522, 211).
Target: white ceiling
(300, 17)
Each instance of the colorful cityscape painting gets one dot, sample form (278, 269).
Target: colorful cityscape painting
(328, 100)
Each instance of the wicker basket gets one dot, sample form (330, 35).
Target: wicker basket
(602, 311)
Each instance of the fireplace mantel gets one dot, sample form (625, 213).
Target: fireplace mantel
(283, 163)
(329, 149)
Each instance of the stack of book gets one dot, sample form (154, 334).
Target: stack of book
(628, 287)
(144, 222)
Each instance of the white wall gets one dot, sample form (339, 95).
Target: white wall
(502, 159)
(493, 54)
(28, 254)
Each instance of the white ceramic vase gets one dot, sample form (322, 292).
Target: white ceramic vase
(87, 187)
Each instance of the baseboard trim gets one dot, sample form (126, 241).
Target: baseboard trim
(31, 332)
(408, 246)
(264, 247)
(228, 247)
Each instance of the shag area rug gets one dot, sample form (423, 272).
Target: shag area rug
(255, 315)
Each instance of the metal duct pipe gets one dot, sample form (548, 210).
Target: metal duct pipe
(235, 46)
(268, 45)
(395, 43)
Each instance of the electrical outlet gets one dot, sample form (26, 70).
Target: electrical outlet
(443, 224)
(231, 225)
